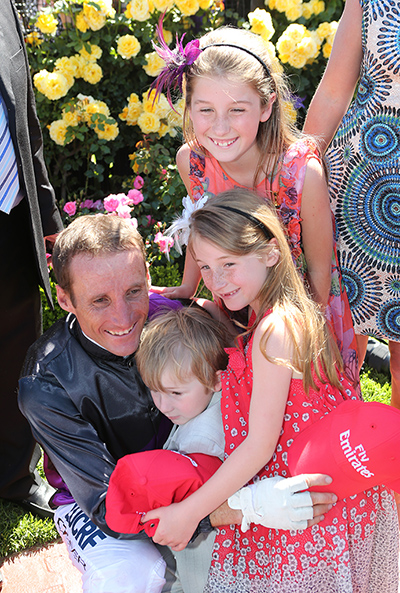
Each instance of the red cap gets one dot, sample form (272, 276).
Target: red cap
(357, 444)
(152, 479)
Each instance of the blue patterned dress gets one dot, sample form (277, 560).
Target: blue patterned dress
(364, 178)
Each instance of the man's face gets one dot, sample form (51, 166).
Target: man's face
(110, 298)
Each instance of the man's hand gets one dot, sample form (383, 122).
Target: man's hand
(280, 503)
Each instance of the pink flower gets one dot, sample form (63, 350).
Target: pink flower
(164, 243)
(70, 208)
(135, 196)
(139, 182)
(163, 171)
(98, 205)
(111, 203)
(150, 220)
(134, 222)
(123, 211)
(87, 204)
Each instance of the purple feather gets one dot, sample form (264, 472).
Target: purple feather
(176, 61)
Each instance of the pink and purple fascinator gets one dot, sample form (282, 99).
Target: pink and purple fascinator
(176, 61)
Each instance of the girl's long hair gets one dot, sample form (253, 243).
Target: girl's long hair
(283, 289)
(278, 132)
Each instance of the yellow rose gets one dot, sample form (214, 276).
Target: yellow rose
(138, 10)
(293, 13)
(159, 107)
(174, 118)
(134, 110)
(290, 111)
(94, 54)
(108, 131)
(295, 32)
(271, 4)
(92, 73)
(167, 36)
(93, 17)
(324, 30)
(71, 118)
(148, 122)
(66, 66)
(128, 46)
(261, 23)
(307, 10)
(106, 7)
(92, 108)
(318, 6)
(187, 7)
(58, 130)
(163, 5)
(163, 130)
(307, 47)
(285, 45)
(33, 38)
(281, 5)
(296, 60)
(205, 5)
(46, 23)
(80, 22)
(124, 114)
(326, 50)
(53, 85)
(154, 64)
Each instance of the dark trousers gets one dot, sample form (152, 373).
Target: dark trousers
(20, 326)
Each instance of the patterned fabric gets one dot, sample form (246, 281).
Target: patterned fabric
(364, 173)
(9, 183)
(207, 176)
(353, 550)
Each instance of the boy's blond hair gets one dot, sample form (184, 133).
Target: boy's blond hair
(188, 342)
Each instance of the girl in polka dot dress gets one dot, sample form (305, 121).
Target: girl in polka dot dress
(284, 375)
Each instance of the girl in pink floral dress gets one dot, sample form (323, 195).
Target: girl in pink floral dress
(239, 134)
(285, 374)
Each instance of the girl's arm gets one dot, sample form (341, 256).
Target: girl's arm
(178, 521)
(317, 231)
(191, 272)
(336, 88)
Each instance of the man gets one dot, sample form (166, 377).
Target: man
(28, 213)
(88, 407)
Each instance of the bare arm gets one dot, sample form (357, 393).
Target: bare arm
(336, 88)
(316, 231)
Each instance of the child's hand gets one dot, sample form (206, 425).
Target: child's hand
(183, 291)
(175, 528)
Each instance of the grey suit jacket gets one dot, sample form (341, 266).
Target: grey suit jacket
(17, 91)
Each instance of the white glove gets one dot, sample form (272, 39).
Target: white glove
(278, 503)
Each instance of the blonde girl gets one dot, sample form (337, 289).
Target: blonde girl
(238, 133)
(284, 375)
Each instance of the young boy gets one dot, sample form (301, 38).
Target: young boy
(180, 359)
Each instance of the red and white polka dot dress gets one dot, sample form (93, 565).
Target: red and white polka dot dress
(354, 549)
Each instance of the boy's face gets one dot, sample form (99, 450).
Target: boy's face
(181, 401)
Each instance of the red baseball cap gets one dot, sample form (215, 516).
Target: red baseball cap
(357, 444)
(151, 479)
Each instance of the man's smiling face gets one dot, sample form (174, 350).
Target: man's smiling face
(109, 296)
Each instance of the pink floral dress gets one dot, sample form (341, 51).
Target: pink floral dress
(353, 550)
(208, 177)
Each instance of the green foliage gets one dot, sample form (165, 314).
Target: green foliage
(168, 275)
(50, 316)
(375, 386)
